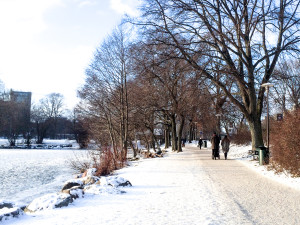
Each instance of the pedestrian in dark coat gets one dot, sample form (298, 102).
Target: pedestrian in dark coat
(215, 141)
(225, 145)
(183, 140)
(200, 143)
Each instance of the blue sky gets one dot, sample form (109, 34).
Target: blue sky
(45, 45)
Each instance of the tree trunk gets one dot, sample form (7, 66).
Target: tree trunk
(134, 148)
(256, 133)
(111, 134)
(191, 136)
(167, 137)
(191, 132)
(180, 133)
(174, 142)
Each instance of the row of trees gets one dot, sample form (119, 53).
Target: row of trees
(192, 61)
(185, 63)
(46, 119)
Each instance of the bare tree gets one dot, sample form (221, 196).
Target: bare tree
(174, 83)
(144, 116)
(41, 122)
(77, 127)
(287, 84)
(45, 115)
(104, 95)
(52, 108)
(247, 37)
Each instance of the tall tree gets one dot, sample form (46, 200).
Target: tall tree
(174, 83)
(52, 107)
(287, 84)
(247, 37)
(45, 115)
(105, 94)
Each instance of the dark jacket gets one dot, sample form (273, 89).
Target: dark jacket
(200, 142)
(215, 141)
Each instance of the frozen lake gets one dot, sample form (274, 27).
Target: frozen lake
(27, 174)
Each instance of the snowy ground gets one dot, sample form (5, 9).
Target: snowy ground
(27, 174)
(170, 190)
(241, 153)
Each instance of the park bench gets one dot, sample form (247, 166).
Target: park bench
(254, 154)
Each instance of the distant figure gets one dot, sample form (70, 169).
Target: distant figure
(225, 145)
(200, 143)
(215, 141)
(183, 140)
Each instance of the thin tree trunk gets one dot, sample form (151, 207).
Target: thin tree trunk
(180, 133)
(174, 142)
(191, 132)
(167, 137)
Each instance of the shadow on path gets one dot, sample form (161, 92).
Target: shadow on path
(260, 199)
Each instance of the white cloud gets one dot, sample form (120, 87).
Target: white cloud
(20, 23)
(125, 6)
(45, 45)
(25, 18)
(86, 3)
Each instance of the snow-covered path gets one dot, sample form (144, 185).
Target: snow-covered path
(183, 188)
(254, 197)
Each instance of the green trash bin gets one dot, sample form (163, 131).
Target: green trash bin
(262, 154)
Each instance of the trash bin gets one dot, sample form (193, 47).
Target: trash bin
(262, 155)
(205, 144)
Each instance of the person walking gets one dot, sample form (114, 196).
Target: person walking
(225, 146)
(215, 141)
(183, 140)
(200, 143)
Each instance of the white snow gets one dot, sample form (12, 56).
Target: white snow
(91, 172)
(157, 185)
(241, 153)
(46, 202)
(28, 174)
(6, 210)
(76, 180)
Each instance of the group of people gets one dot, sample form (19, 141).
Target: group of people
(215, 145)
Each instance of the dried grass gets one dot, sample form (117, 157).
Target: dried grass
(285, 144)
(243, 136)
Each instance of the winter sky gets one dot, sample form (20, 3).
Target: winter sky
(46, 45)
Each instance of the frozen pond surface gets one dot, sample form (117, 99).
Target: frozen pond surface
(27, 174)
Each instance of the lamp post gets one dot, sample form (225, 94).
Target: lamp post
(267, 86)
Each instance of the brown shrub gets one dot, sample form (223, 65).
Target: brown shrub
(107, 161)
(285, 144)
(104, 160)
(243, 136)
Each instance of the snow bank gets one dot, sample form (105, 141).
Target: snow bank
(49, 201)
(241, 153)
(101, 206)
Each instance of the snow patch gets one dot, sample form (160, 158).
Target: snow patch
(49, 201)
